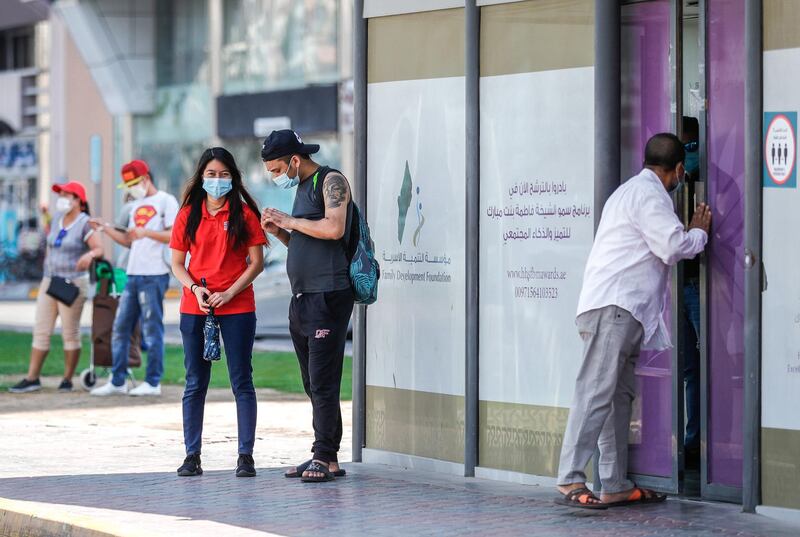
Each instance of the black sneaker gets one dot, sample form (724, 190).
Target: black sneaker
(190, 466)
(65, 386)
(245, 466)
(25, 386)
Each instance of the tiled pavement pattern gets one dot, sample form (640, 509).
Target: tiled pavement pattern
(112, 461)
(377, 500)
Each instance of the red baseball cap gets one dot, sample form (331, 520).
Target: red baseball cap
(73, 187)
(132, 172)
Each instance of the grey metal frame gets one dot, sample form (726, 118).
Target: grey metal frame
(607, 116)
(754, 278)
(607, 105)
(703, 120)
(360, 194)
(472, 249)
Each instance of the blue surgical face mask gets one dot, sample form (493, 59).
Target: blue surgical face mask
(216, 187)
(692, 161)
(284, 181)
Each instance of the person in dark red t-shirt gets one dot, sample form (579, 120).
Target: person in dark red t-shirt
(219, 227)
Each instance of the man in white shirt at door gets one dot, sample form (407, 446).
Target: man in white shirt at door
(620, 311)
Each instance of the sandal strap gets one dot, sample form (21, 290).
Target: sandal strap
(581, 495)
(647, 494)
(317, 467)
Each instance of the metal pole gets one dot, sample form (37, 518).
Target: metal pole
(607, 92)
(473, 140)
(215, 22)
(360, 190)
(751, 479)
(607, 117)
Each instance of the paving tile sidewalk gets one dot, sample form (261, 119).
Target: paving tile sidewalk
(372, 500)
(107, 467)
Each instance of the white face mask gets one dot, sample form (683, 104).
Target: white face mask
(284, 181)
(63, 204)
(138, 191)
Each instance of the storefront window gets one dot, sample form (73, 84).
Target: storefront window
(181, 42)
(277, 44)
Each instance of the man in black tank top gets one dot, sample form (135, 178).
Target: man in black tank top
(318, 269)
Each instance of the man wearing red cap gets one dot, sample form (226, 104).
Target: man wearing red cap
(149, 228)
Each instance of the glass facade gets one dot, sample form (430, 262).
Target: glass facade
(181, 42)
(16, 48)
(173, 137)
(533, 80)
(267, 45)
(278, 44)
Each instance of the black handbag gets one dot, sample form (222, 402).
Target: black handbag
(63, 290)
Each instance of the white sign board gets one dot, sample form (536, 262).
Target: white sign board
(780, 377)
(416, 209)
(537, 225)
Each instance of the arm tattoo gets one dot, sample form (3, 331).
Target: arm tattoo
(336, 191)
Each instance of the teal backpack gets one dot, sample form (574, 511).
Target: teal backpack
(364, 268)
(358, 247)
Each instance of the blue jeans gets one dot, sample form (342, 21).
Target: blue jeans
(238, 332)
(691, 366)
(143, 299)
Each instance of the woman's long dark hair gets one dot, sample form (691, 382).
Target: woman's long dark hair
(194, 196)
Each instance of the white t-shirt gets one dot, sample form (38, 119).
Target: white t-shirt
(157, 212)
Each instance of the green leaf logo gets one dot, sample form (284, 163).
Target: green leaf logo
(403, 203)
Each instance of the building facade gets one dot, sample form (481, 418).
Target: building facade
(179, 76)
(23, 128)
(88, 86)
(488, 136)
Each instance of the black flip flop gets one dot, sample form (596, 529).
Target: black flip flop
(580, 498)
(317, 467)
(639, 496)
(300, 468)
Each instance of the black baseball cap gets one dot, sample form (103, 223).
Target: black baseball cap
(283, 143)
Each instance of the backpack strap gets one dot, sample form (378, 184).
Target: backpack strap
(317, 181)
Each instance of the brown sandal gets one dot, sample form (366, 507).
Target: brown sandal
(582, 498)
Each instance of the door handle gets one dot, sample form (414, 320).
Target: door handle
(749, 259)
(750, 262)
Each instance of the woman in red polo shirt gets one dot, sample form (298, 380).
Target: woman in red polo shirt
(218, 226)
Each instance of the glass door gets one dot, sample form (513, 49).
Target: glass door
(683, 68)
(723, 356)
(648, 104)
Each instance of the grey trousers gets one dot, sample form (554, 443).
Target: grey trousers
(601, 409)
